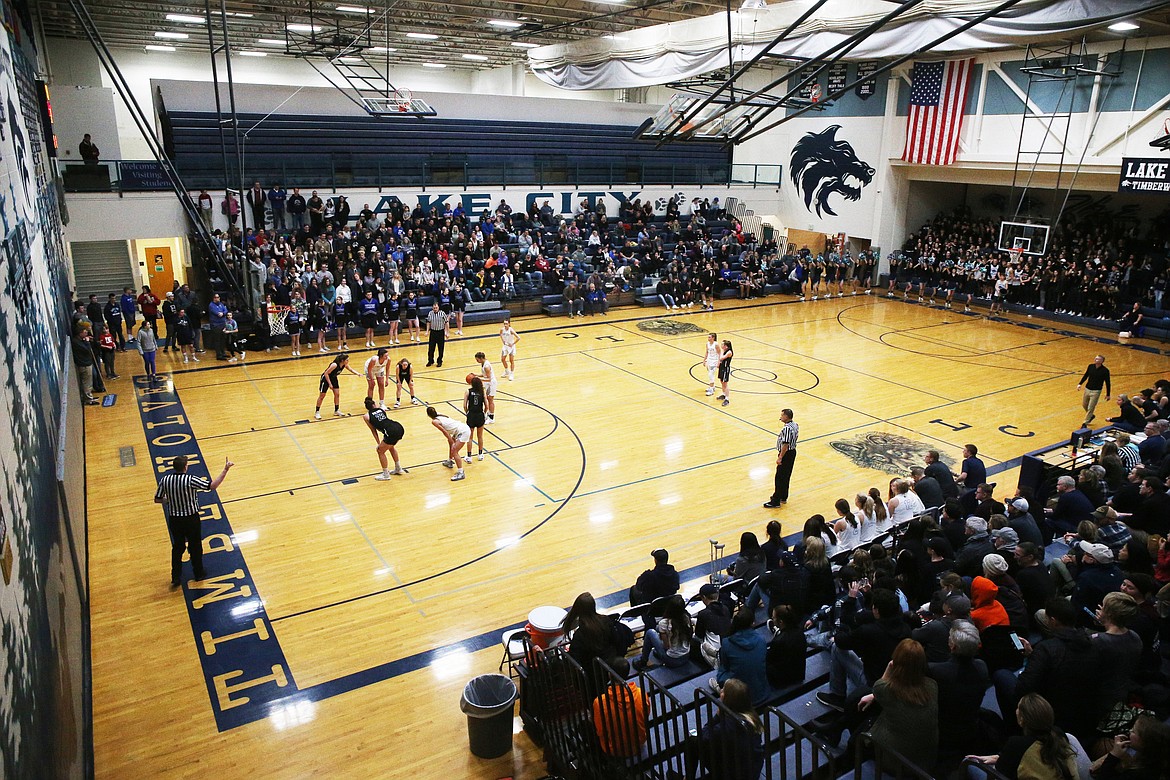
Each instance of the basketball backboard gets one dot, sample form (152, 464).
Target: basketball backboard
(1031, 238)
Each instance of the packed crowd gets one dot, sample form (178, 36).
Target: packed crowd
(927, 596)
(1094, 265)
(318, 247)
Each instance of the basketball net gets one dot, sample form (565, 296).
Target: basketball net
(1015, 254)
(276, 315)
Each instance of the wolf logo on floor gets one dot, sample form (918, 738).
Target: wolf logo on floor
(822, 165)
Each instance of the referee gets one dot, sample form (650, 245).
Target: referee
(439, 329)
(785, 458)
(178, 492)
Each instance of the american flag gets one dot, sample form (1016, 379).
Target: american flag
(938, 92)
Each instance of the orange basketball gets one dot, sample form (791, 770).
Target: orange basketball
(470, 377)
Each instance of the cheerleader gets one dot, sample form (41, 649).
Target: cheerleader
(368, 312)
(459, 305)
(319, 323)
(392, 311)
(294, 321)
(410, 307)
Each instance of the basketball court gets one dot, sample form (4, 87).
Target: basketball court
(344, 615)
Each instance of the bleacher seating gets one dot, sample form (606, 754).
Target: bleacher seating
(361, 150)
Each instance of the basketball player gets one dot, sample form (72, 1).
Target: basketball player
(473, 406)
(457, 434)
(508, 338)
(711, 361)
(392, 431)
(405, 375)
(725, 356)
(488, 375)
(329, 382)
(375, 371)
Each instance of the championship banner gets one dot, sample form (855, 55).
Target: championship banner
(838, 74)
(1145, 174)
(866, 89)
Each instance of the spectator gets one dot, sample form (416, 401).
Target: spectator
(654, 583)
(1042, 750)
(730, 748)
(976, 546)
(962, 680)
(619, 714)
(788, 648)
(1098, 575)
(1120, 648)
(863, 644)
(593, 637)
(84, 361)
(743, 656)
(1035, 583)
(973, 471)
(1071, 507)
(669, 641)
(908, 720)
(1052, 665)
(1022, 522)
(749, 563)
(1149, 741)
(712, 624)
(985, 610)
(927, 488)
(1152, 515)
(938, 470)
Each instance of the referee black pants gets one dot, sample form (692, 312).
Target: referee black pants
(185, 533)
(437, 338)
(783, 476)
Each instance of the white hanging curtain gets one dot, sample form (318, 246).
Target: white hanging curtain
(667, 52)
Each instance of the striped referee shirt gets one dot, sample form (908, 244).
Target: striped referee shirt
(788, 435)
(181, 493)
(437, 320)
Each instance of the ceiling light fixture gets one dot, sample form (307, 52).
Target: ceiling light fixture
(436, 65)
(172, 36)
(523, 45)
(382, 49)
(270, 42)
(505, 23)
(155, 47)
(240, 15)
(423, 36)
(253, 53)
(754, 5)
(611, 2)
(1123, 26)
(309, 28)
(353, 9)
(475, 57)
(185, 19)
(350, 59)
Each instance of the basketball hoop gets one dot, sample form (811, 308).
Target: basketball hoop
(403, 98)
(276, 315)
(814, 93)
(1015, 254)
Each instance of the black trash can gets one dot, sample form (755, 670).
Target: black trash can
(488, 700)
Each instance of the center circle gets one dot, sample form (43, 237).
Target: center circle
(765, 377)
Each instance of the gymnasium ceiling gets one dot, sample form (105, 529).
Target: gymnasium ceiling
(463, 25)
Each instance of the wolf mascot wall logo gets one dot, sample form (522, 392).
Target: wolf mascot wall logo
(822, 165)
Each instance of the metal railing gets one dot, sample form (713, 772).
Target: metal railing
(333, 172)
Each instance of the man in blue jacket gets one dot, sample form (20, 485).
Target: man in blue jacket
(744, 656)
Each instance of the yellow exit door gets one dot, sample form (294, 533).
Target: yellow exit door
(159, 271)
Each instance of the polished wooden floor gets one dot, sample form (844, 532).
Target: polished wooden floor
(605, 447)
